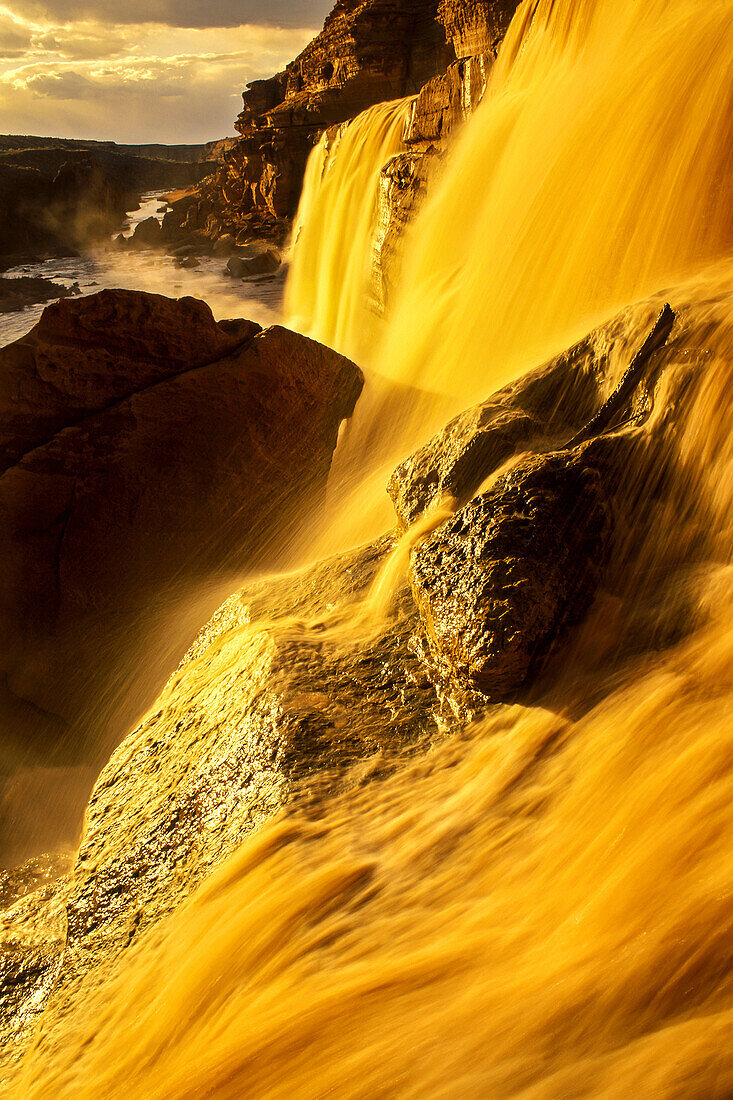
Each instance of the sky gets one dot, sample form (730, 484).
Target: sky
(134, 71)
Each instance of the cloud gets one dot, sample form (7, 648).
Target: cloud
(15, 38)
(178, 13)
(84, 41)
(142, 70)
(140, 82)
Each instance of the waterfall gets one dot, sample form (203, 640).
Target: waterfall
(596, 171)
(328, 285)
(540, 906)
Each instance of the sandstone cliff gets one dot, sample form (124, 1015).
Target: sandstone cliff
(368, 51)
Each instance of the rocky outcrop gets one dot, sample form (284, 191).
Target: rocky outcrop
(521, 560)
(57, 197)
(442, 106)
(369, 51)
(39, 213)
(16, 294)
(501, 581)
(542, 410)
(261, 712)
(142, 445)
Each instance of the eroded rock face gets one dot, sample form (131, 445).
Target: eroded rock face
(443, 105)
(143, 443)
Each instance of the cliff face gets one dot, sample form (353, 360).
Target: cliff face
(369, 51)
(59, 210)
(57, 195)
(443, 104)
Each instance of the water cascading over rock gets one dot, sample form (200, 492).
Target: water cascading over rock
(535, 899)
(327, 294)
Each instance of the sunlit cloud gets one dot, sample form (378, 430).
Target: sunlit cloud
(154, 81)
(179, 13)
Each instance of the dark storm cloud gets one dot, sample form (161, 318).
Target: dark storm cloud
(179, 13)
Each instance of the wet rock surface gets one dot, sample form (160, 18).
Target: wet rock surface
(500, 582)
(141, 443)
(33, 930)
(540, 411)
(278, 697)
(300, 684)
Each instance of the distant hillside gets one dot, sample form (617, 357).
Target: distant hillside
(188, 154)
(58, 194)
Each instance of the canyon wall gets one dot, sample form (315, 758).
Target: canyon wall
(57, 195)
(369, 51)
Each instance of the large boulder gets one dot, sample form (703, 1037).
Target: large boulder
(539, 412)
(143, 447)
(499, 582)
(264, 263)
(538, 475)
(148, 234)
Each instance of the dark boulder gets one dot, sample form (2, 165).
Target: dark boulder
(144, 446)
(148, 234)
(16, 294)
(264, 263)
(188, 260)
(499, 582)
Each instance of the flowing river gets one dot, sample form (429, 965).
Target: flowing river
(153, 271)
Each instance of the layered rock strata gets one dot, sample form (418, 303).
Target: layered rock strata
(369, 51)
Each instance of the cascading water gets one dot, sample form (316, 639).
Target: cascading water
(540, 906)
(597, 170)
(326, 294)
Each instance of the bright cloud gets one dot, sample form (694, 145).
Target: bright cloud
(167, 80)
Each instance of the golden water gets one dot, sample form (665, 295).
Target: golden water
(327, 290)
(541, 906)
(597, 170)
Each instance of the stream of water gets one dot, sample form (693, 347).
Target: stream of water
(150, 270)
